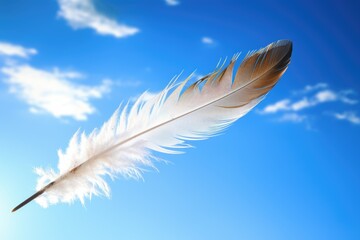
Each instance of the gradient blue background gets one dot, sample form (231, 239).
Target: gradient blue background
(261, 179)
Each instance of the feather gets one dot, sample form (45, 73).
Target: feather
(126, 143)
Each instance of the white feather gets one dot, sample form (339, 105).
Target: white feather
(126, 142)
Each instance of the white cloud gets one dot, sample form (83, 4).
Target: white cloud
(312, 96)
(278, 106)
(301, 104)
(207, 40)
(13, 50)
(172, 2)
(347, 100)
(83, 14)
(348, 116)
(53, 91)
(344, 97)
(310, 88)
(292, 117)
(320, 97)
(326, 96)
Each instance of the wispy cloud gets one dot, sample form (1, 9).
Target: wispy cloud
(278, 106)
(351, 117)
(311, 88)
(48, 91)
(172, 2)
(83, 14)
(53, 91)
(207, 40)
(320, 97)
(292, 117)
(12, 50)
(344, 97)
(310, 97)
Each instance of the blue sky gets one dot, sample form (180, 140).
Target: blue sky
(287, 170)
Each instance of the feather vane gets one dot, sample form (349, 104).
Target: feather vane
(126, 143)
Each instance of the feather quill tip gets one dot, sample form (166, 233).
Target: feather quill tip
(35, 195)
